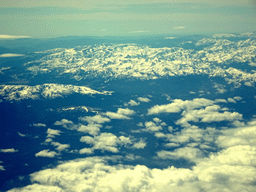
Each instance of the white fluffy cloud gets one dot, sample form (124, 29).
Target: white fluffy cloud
(120, 114)
(95, 119)
(94, 124)
(188, 153)
(208, 114)
(94, 174)
(133, 103)
(104, 142)
(52, 132)
(151, 126)
(177, 105)
(92, 129)
(59, 146)
(66, 124)
(140, 145)
(46, 153)
(11, 150)
(143, 99)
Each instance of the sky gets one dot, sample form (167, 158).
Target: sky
(47, 19)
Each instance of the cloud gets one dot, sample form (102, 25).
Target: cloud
(110, 142)
(179, 105)
(8, 150)
(143, 99)
(207, 115)
(95, 174)
(22, 135)
(59, 146)
(52, 132)
(2, 168)
(46, 153)
(140, 145)
(95, 119)
(65, 123)
(104, 142)
(188, 153)
(92, 129)
(133, 103)
(120, 114)
(94, 124)
(151, 126)
(11, 55)
(179, 27)
(237, 136)
(39, 125)
(12, 37)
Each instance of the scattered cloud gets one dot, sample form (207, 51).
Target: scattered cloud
(179, 105)
(179, 27)
(11, 55)
(22, 135)
(52, 133)
(120, 114)
(8, 150)
(140, 145)
(207, 115)
(65, 123)
(46, 153)
(133, 103)
(143, 99)
(9, 37)
(39, 125)
(59, 146)
(92, 129)
(151, 126)
(103, 142)
(95, 119)
(188, 153)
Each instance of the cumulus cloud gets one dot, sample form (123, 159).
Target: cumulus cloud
(94, 124)
(66, 124)
(120, 114)
(140, 145)
(104, 142)
(59, 146)
(151, 126)
(239, 136)
(94, 174)
(188, 153)
(133, 103)
(95, 119)
(11, 150)
(143, 99)
(177, 105)
(208, 114)
(52, 132)
(92, 129)
(46, 153)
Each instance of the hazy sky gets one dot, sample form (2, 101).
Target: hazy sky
(48, 18)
